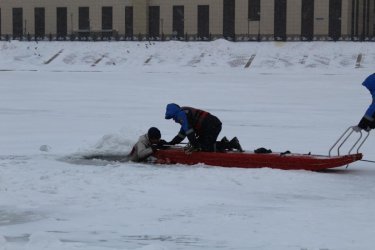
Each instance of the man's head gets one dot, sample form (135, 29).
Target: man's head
(154, 135)
(172, 111)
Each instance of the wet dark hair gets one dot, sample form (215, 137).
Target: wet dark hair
(154, 133)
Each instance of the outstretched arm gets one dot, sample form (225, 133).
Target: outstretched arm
(178, 138)
(368, 120)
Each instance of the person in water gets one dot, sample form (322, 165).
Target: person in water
(146, 145)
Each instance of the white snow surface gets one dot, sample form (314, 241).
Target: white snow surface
(294, 96)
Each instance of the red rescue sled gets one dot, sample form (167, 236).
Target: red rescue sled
(283, 161)
(253, 160)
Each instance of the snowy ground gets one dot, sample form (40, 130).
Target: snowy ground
(295, 96)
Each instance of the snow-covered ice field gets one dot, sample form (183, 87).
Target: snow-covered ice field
(294, 96)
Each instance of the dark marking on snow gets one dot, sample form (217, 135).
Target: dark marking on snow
(322, 60)
(183, 240)
(285, 61)
(359, 60)
(250, 61)
(58, 232)
(78, 71)
(148, 60)
(14, 157)
(196, 60)
(303, 60)
(18, 239)
(28, 70)
(97, 61)
(13, 217)
(54, 57)
(238, 61)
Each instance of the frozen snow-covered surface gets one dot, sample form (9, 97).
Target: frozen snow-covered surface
(172, 56)
(295, 96)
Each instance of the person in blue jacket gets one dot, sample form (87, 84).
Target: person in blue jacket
(200, 127)
(368, 120)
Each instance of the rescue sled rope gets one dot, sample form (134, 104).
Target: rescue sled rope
(368, 161)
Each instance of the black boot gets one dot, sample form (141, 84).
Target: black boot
(224, 140)
(235, 144)
(222, 145)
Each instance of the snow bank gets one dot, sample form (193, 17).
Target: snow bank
(177, 56)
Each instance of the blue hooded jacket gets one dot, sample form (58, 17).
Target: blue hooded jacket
(175, 112)
(369, 83)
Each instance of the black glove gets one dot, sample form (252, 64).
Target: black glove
(366, 124)
(162, 144)
(154, 147)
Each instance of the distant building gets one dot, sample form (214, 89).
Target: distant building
(189, 19)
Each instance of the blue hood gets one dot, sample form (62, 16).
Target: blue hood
(369, 83)
(172, 111)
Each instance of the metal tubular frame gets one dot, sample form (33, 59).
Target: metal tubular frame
(350, 130)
